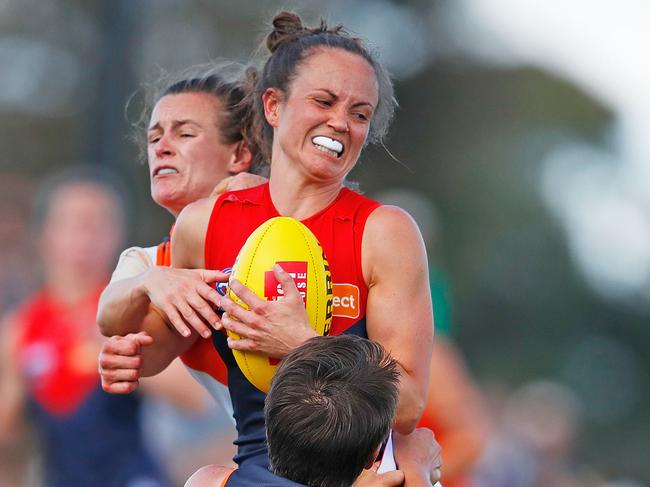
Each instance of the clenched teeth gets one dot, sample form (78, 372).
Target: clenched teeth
(330, 145)
(326, 150)
(166, 170)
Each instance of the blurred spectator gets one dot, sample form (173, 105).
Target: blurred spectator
(454, 409)
(532, 446)
(48, 359)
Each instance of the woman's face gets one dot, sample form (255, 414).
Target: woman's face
(186, 155)
(323, 122)
(82, 230)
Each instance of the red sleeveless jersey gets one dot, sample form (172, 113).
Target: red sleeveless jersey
(339, 229)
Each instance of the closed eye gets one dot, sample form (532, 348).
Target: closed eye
(323, 102)
(362, 116)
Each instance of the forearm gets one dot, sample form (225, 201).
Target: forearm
(418, 456)
(167, 345)
(123, 306)
(415, 475)
(410, 406)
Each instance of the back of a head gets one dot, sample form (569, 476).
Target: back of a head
(331, 404)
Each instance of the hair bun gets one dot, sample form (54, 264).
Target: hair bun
(286, 26)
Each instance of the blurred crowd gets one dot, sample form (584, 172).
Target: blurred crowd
(491, 435)
(533, 149)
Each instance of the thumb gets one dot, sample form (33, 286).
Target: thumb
(390, 479)
(143, 338)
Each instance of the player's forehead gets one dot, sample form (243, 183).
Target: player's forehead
(333, 70)
(180, 108)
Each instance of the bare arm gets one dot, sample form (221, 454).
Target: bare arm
(182, 295)
(399, 313)
(124, 360)
(418, 455)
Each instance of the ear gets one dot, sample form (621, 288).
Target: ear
(241, 158)
(271, 99)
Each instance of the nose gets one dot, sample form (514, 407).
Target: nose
(339, 121)
(163, 147)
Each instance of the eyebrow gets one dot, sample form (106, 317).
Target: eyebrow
(175, 124)
(358, 104)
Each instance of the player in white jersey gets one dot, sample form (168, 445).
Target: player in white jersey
(196, 145)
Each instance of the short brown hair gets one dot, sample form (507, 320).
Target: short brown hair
(330, 406)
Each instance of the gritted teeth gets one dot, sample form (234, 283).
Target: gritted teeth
(327, 143)
(166, 170)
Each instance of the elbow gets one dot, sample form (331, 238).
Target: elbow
(104, 328)
(102, 322)
(407, 418)
(105, 319)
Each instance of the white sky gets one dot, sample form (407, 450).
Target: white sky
(602, 198)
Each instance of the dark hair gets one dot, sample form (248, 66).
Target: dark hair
(227, 82)
(290, 43)
(330, 405)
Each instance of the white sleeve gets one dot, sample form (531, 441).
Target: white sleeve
(387, 463)
(132, 262)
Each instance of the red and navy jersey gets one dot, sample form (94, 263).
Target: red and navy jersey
(339, 229)
(89, 437)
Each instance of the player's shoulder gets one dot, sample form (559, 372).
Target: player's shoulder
(209, 476)
(199, 207)
(31, 304)
(19, 319)
(133, 261)
(390, 236)
(142, 254)
(391, 219)
(195, 216)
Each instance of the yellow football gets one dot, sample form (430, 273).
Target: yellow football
(294, 247)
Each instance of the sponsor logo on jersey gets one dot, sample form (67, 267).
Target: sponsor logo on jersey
(346, 300)
(297, 270)
(222, 287)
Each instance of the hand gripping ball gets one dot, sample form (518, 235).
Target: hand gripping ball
(294, 247)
